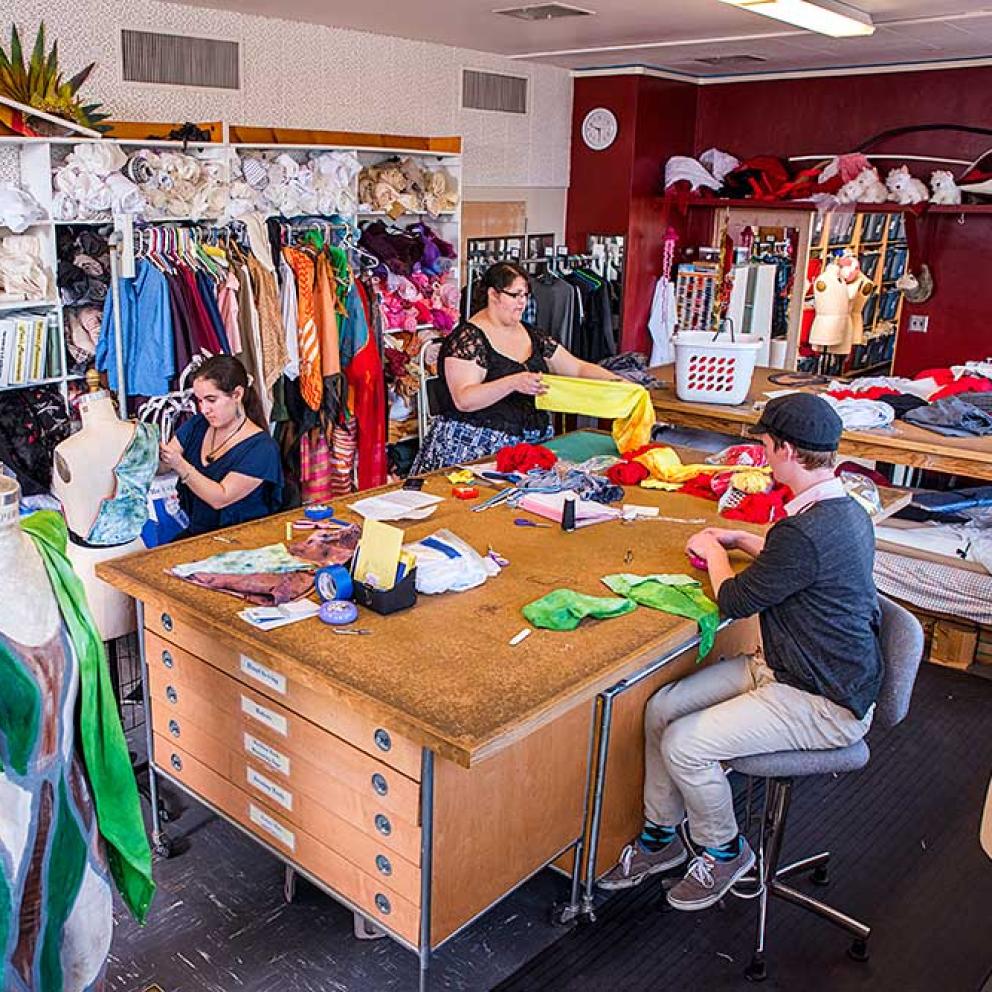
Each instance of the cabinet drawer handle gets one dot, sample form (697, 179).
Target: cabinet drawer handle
(177, 762)
(383, 825)
(383, 864)
(167, 623)
(382, 904)
(171, 694)
(174, 728)
(382, 740)
(167, 659)
(380, 784)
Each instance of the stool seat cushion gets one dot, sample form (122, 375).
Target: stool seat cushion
(794, 764)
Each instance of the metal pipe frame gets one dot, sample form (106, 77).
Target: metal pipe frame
(157, 840)
(596, 783)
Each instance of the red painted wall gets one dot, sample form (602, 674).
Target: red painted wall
(790, 117)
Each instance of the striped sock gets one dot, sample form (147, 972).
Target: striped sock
(655, 836)
(728, 851)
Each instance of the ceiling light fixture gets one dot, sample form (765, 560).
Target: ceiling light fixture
(829, 17)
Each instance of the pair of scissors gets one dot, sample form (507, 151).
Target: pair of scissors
(524, 522)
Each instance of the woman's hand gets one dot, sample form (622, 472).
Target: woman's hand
(729, 539)
(529, 383)
(171, 457)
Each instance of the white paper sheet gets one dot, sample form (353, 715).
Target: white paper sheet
(399, 504)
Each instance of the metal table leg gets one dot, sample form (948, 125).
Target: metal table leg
(426, 862)
(161, 842)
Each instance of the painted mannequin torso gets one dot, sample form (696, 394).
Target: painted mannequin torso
(50, 791)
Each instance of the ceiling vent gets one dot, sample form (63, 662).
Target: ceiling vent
(149, 57)
(544, 12)
(728, 61)
(494, 91)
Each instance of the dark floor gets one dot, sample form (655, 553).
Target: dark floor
(904, 834)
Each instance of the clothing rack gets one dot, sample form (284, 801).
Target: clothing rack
(554, 261)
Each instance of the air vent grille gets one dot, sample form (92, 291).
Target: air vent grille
(494, 91)
(149, 57)
(544, 12)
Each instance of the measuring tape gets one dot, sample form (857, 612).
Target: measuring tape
(334, 582)
(338, 612)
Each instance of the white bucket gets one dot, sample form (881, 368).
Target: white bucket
(714, 369)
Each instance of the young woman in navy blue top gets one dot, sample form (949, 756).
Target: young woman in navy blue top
(227, 462)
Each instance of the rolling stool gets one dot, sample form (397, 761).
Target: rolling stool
(901, 639)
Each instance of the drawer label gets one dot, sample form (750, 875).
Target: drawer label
(266, 753)
(269, 788)
(269, 678)
(271, 826)
(264, 715)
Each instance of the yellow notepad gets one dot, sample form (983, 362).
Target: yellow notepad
(378, 554)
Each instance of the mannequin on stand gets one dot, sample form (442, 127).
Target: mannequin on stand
(58, 800)
(102, 474)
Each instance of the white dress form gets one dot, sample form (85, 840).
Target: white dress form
(83, 478)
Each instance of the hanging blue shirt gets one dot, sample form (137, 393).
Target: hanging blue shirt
(146, 333)
(257, 456)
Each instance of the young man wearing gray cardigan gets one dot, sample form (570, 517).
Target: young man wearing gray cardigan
(812, 686)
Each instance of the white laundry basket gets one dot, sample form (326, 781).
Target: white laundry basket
(714, 369)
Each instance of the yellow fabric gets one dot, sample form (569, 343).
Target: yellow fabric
(627, 404)
(752, 480)
(668, 472)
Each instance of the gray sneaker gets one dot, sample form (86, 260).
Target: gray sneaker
(636, 864)
(708, 879)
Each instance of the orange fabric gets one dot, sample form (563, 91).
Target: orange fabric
(311, 379)
(325, 312)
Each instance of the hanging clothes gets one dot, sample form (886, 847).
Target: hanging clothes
(311, 380)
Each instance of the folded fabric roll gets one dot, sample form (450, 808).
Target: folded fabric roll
(627, 404)
(126, 197)
(565, 609)
(263, 590)
(97, 158)
(677, 594)
(862, 415)
(18, 208)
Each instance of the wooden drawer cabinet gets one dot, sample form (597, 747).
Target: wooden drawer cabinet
(380, 901)
(373, 738)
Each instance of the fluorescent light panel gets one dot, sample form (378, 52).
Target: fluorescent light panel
(824, 16)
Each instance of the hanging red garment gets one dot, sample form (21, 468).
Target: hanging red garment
(367, 389)
(315, 469)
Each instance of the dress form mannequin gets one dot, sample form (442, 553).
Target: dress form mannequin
(83, 478)
(36, 652)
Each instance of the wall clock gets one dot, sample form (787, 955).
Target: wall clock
(599, 128)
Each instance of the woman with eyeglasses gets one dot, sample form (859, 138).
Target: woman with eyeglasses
(489, 371)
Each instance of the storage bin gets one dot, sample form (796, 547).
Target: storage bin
(713, 368)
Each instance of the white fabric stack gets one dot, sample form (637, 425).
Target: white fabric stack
(18, 208)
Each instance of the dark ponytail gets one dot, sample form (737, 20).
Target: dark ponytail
(227, 373)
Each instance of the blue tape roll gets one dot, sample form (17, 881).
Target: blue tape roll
(334, 582)
(338, 612)
(319, 511)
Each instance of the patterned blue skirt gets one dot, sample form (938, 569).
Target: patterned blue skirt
(454, 442)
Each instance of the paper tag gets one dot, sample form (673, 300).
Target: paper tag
(266, 753)
(260, 673)
(264, 715)
(269, 788)
(271, 826)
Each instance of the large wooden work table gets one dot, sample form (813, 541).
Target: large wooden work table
(899, 444)
(421, 772)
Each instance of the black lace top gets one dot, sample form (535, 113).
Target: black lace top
(514, 413)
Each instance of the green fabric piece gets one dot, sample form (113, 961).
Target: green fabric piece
(565, 609)
(20, 713)
(581, 445)
(677, 594)
(105, 754)
(66, 864)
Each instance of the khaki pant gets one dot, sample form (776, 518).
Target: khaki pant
(728, 710)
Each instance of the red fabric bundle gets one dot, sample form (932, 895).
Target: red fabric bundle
(700, 485)
(966, 384)
(627, 473)
(872, 393)
(637, 452)
(524, 457)
(940, 376)
(761, 508)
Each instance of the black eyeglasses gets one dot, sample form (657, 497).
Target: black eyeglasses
(520, 294)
